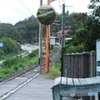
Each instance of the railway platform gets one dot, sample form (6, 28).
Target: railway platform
(38, 88)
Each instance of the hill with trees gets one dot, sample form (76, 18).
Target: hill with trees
(25, 31)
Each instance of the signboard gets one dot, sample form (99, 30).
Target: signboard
(1, 44)
(52, 41)
(46, 15)
(98, 57)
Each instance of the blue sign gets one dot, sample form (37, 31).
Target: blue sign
(1, 44)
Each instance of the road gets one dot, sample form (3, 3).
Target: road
(29, 48)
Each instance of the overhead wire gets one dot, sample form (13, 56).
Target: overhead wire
(14, 8)
(25, 6)
(59, 4)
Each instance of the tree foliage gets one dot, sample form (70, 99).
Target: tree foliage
(85, 31)
(10, 46)
(23, 31)
(95, 5)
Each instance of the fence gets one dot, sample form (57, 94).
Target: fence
(79, 65)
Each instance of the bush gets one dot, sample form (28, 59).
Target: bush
(16, 68)
(5, 72)
(33, 54)
(14, 64)
(74, 49)
(71, 49)
(10, 46)
(55, 69)
(53, 50)
(21, 66)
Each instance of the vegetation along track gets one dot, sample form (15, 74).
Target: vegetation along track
(53, 57)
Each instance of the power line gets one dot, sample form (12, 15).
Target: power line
(25, 6)
(59, 4)
(13, 8)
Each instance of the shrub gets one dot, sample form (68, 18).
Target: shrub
(14, 64)
(53, 50)
(54, 71)
(74, 49)
(10, 46)
(5, 72)
(21, 66)
(33, 54)
(16, 68)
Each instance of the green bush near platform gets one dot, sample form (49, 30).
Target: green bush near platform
(74, 49)
(53, 50)
(55, 69)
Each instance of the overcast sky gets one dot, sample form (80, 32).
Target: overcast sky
(13, 11)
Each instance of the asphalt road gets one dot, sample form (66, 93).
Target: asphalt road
(29, 48)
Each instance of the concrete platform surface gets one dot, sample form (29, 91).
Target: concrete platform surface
(37, 89)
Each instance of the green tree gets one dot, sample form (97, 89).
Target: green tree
(10, 46)
(92, 27)
(95, 5)
(14, 34)
(28, 29)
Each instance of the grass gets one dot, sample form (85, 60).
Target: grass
(4, 57)
(42, 12)
(53, 50)
(15, 64)
(55, 69)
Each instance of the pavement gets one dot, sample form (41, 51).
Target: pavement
(38, 88)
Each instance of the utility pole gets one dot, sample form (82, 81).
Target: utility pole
(63, 43)
(47, 44)
(40, 42)
(63, 38)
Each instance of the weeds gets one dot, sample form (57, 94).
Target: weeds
(15, 64)
(55, 69)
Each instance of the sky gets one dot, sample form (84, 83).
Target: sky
(13, 11)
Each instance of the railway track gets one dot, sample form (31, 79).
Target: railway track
(19, 73)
